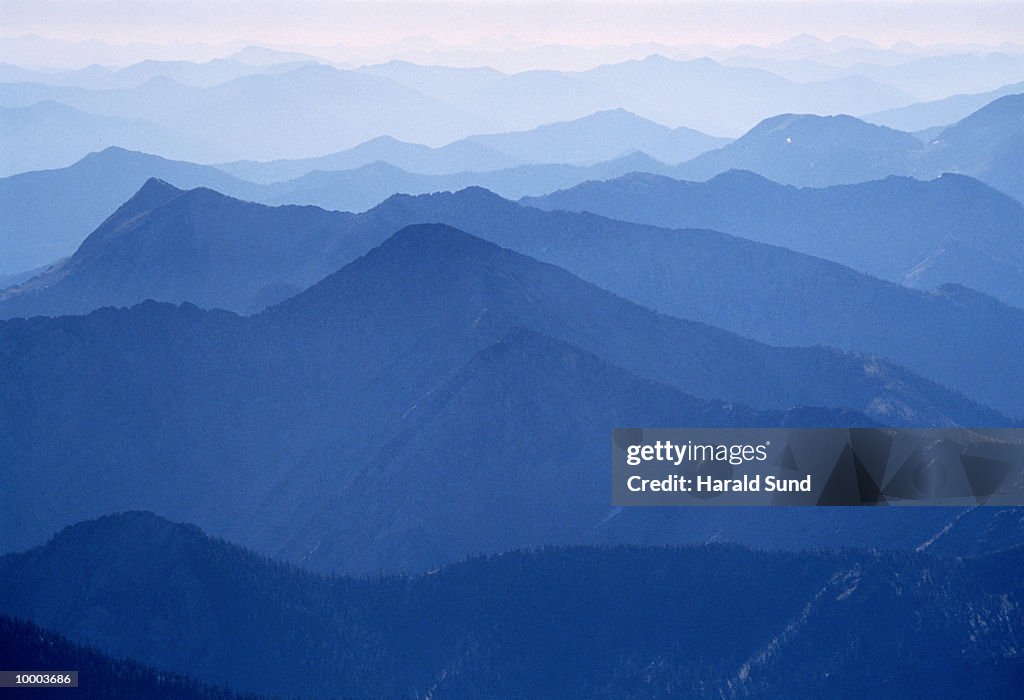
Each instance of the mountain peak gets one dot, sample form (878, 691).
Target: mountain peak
(419, 260)
(113, 150)
(114, 154)
(656, 59)
(480, 195)
(618, 115)
(472, 196)
(811, 150)
(1007, 104)
(153, 193)
(156, 187)
(788, 119)
(137, 164)
(739, 177)
(834, 124)
(435, 238)
(142, 527)
(616, 111)
(383, 140)
(639, 161)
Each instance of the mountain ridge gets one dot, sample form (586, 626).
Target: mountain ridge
(902, 241)
(276, 415)
(462, 631)
(826, 151)
(797, 300)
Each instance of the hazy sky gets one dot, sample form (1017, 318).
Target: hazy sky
(581, 22)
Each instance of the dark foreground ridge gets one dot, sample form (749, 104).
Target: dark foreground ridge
(28, 647)
(557, 622)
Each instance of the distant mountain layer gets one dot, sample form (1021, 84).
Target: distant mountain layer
(366, 186)
(658, 622)
(603, 136)
(176, 246)
(804, 150)
(455, 157)
(988, 144)
(34, 233)
(719, 99)
(53, 135)
(809, 150)
(952, 229)
(195, 74)
(940, 113)
(316, 109)
(926, 77)
(306, 109)
(169, 245)
(364, 423)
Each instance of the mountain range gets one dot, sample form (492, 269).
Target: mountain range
(368, 185)
(790, 149)
(810, 150)
(310, 364)
(926, 78)
(322, 109)
(459, 156)
(763, 292)
(313, 366)
(720, 100)
(988, 144)
(660, 622)
(319, 109)
(439, 373)
(49, 134)
(953, 229)
(170, 245)
(191, 73)
(805, 149)
(176, 246)
(34, 233)
(602, 136)
(940, 113)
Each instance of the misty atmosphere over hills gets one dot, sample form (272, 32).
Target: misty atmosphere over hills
(315, 324)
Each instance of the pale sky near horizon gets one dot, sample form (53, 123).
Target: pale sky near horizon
(574, 22)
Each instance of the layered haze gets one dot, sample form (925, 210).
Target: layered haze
(316, 320)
